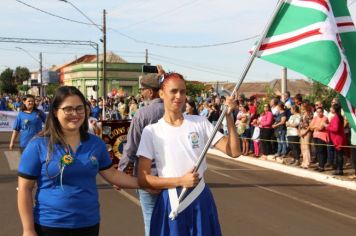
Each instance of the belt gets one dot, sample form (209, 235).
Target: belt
(176, 206)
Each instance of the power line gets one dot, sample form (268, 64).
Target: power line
(54, 15)
(166, 12)
(184, 46)
(141, 41)
(205, 67)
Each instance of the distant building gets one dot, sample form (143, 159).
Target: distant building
(121, 75)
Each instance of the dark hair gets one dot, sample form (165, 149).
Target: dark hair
(168, 76)
(275, 101)
(53, 128)
(245, 106)
(299, 97)
(320, 108)
(192, 104)
(337, 109)
(23, 106)
(281, 105)
(295, 108)
(267, 105)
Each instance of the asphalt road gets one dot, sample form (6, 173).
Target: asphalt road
(250, 200)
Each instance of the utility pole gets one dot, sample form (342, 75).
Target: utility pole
(41, 76)
(284, 82)
(146, 56)
(104, 54)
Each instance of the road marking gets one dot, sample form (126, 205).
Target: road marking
(123, 193)
(290, 197)
(210, 166)
(13, 159)
(129, 197)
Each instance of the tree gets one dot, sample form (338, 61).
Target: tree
(21, 74)
(194, 88)
(7, 82)
(51, 89)
(321, 93)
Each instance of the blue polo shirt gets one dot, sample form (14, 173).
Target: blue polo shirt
(28, 124)
(75, 204)
(96, 112)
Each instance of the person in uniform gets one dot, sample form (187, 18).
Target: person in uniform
(175, 143)
(63, 161)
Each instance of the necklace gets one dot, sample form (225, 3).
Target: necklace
(176, 122)
(67, 159)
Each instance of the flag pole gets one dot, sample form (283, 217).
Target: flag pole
(237, 86)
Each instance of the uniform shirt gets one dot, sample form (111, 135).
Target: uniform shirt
(144, 116)
(96, 112)
(353, 137)
(28, 124)
(74, 204)
(2, 104)
(177, 149)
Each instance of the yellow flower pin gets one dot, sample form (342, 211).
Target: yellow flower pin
(67, 159)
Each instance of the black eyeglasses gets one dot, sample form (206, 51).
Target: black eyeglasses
(70, 110)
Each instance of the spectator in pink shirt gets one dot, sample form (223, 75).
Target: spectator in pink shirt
(265, 122)
(321, 137)
(337, 136)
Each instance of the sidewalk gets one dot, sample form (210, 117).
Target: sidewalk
(325, 177)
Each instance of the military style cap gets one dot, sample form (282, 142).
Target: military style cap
(150, 80)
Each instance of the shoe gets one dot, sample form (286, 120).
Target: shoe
(319, 169)
(296, 163)
(338, 172)
(292, 162)
(327, 165)
(263, 157)
(280, 160)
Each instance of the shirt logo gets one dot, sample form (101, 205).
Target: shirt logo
(194, 139)
(94, 161)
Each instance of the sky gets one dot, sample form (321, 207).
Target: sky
(136, 25)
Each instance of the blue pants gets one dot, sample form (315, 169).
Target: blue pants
(148, 202)
(282, 145)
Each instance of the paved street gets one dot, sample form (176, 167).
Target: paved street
(250, 200)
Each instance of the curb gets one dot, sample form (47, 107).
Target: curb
(296, 171)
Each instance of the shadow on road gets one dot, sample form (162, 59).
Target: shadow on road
(8, 178)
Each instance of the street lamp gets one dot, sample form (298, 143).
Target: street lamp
(40, 70)
(103, 40)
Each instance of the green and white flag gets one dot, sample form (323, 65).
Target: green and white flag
(349, 111)
(306, 37)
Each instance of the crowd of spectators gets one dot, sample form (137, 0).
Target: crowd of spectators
(288, 130)
(293, 131)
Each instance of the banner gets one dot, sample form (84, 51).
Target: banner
(7, 118)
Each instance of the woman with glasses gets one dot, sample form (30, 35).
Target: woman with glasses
(63, 161)
(175, 143)
(28, 122)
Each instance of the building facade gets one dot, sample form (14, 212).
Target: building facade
(121, 76)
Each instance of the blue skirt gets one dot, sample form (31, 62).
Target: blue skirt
(199, 218)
